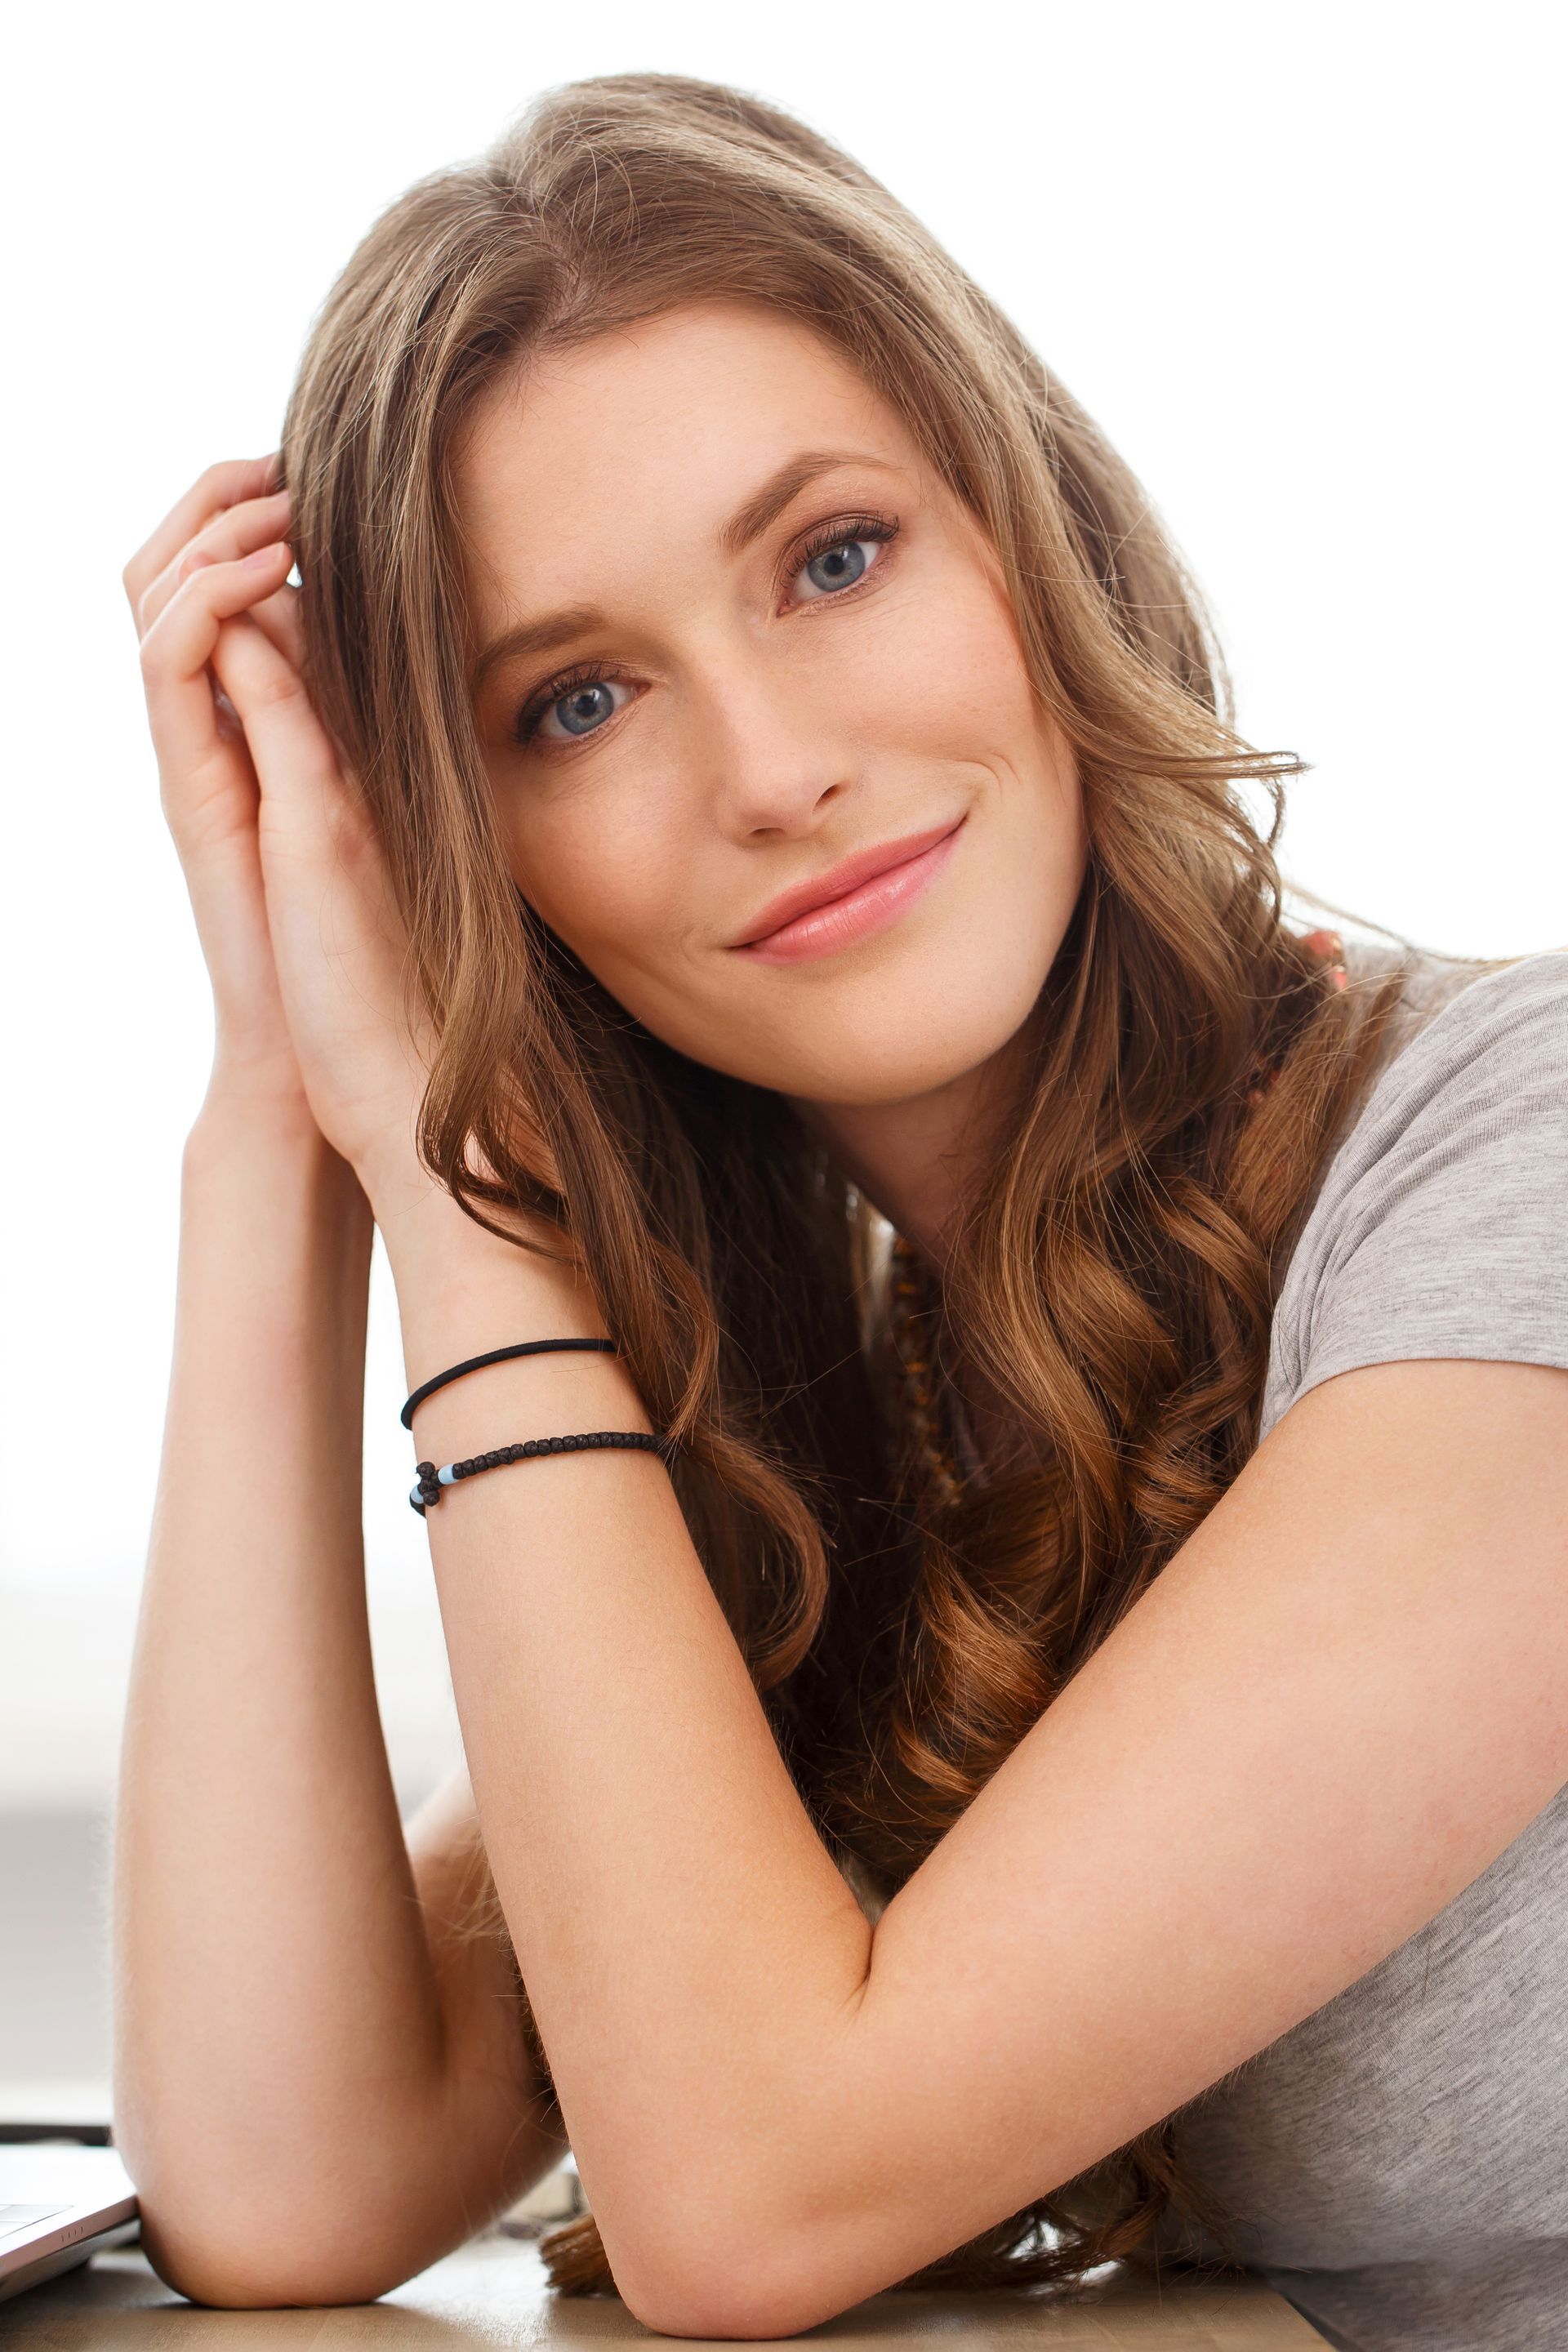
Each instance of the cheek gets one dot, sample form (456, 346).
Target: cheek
(952, 680)
(603, 868)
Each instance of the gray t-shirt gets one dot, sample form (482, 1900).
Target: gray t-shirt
(1399, 2160)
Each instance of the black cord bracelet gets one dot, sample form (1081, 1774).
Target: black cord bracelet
(496, 1356)
(432, 1480)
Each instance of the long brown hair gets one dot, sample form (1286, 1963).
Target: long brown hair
(1116, 1267)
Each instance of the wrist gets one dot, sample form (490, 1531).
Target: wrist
(244, 1171)
(260, 1083)
(464, 1289)
(265, 1130)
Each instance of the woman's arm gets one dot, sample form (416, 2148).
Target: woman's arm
(320, 2075)
(317, 2087)
(1338, 1704)
(699, 1958)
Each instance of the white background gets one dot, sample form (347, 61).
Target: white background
(1299, 262)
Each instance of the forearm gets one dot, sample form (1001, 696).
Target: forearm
(688, 1944)
(277, 2020)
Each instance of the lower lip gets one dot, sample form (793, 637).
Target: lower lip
(843, 922)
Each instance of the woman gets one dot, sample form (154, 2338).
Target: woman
(744, 780)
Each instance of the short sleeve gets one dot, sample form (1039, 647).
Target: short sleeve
(1441, 1226)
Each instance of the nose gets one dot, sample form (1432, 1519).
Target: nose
(774, 758)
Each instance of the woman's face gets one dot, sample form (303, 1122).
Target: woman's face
(753, 636)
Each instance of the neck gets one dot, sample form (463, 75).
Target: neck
(918, 1159)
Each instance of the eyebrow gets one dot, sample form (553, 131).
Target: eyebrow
(747, 523)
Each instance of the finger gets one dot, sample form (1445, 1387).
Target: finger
(304, 793)
(220, 485)
(237, 531)
(315, 825)
(176, 653)
(279, 618)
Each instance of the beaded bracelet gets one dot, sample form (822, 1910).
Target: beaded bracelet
(432, 1480)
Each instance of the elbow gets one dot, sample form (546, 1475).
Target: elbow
(724, 2285)
(255, 2263)
(724, 2311)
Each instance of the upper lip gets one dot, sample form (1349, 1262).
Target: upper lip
(837, 881)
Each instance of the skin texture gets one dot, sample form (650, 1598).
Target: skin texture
(1346, 1693)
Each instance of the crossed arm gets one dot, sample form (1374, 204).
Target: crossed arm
(1342, 1698)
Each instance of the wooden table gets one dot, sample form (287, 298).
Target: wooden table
(491, 2294)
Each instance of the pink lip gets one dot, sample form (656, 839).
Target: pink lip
(853, 901)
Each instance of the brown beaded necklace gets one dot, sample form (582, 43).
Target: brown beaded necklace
(943, 1479)
(908, 1302)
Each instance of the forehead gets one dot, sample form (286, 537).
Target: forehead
(579, 456)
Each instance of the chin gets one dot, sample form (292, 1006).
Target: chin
(890, 1071)
(874, 1048)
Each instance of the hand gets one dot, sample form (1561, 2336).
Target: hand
(293, 903)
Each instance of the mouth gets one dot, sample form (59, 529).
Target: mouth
(852, 901)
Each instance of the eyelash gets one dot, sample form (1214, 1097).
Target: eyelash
(841, 533)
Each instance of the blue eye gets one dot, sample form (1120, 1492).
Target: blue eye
(580, 711)
(837, 557)
(583, 703)
(838, 567)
